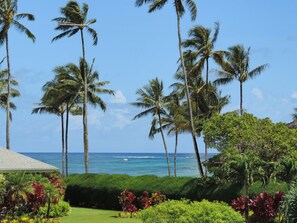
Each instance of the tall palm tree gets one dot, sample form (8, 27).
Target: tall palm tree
(236, 67)
(74, 20)
(10, 18)
(152, 99)
(74, 84)
(180, 11)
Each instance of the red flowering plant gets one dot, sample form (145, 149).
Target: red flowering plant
(144, 200)
(126, 199)
(264, 206)
(36, 199)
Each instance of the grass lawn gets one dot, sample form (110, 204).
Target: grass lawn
(84, 215)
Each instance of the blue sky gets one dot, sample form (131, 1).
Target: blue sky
(133, 48)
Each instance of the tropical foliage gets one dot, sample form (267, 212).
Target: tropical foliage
(9, 17)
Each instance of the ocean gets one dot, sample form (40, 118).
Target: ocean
(133, 164)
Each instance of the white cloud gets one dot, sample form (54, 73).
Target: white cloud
(121, 118)
(118, 98)
(258, 93)
(294, 95)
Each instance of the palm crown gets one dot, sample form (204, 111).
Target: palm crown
(9, 17)
(74, 19)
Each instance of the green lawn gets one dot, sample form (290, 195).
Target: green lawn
(84, 215)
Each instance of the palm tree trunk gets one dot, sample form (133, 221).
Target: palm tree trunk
(85, 107)
(206, 157)
(206, 79)
(241, 107)
(67, 125)
(63, 145)
(165, 146)
(8, 95)
(188, 96)
(175, 152)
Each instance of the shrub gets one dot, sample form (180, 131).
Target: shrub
(58, 210)
(291, 204)
(185, 211)
(264, 207)
(102, 190)
(126, 200)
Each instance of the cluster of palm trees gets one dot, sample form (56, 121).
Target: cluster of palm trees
(193, 100)
(73, 87)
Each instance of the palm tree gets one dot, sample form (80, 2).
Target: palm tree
(236, 67)
(201, 46)
(44, 108)
(152, 99)
(74, 20)
(8, 18)
(180, 11)
(4, 92)
(73, 83)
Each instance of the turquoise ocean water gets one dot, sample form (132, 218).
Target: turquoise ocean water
(134, 164)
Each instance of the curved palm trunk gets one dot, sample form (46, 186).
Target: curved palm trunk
(66, 151)
(8, 95)
(165, 146)
(207, 102)
(188, 96)
(85, 107)
(175, 152)
(241, 99)
(63, 145)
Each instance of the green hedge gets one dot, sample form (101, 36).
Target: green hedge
(102, 190)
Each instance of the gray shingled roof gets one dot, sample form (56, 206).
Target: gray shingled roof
(292, 124)
(12, 162)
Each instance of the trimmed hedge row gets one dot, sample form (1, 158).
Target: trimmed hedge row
(102, 190)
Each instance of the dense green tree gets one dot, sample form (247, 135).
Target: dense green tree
(74, 20)
(151, 98)
(231, 133)
(180, 11)
(10, 18)
(235, 66)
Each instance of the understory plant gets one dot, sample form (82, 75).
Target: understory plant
(131, 204)
(185, 211)
(264, 207)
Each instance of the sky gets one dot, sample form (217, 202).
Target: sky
(135, 47)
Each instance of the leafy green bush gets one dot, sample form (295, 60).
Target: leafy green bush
(58, 210)
(185, 211)
(102, 190)
(291, 203)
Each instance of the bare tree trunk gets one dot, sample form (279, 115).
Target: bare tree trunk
(85, 108)
(175, 152)
(63, 145)
(206, 157)
(241, 99)
(188, 97)
(165, 146)
(67, 125)
(8, 95)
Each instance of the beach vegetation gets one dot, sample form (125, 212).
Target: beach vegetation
(25, 196)
(180, 10)
(236, 66)
(151, 98)
(9, 17)
(74, 20)
(185, 211)
(102, 190)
